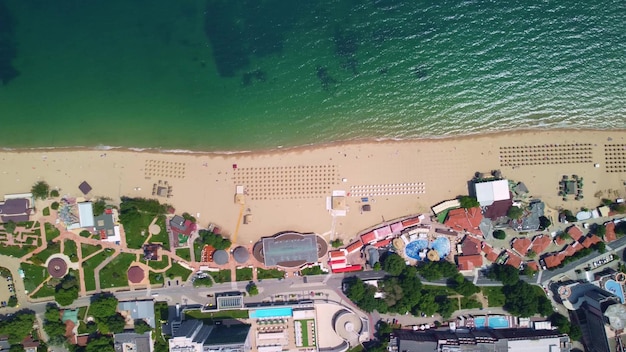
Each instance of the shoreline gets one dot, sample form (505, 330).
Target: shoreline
(303, 147)
(288, 188)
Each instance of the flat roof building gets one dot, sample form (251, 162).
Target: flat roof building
(492, 191)
(193, 335)
(290, 249)
(139, 310)
(132, 342)
(15, 209)
(85, 214)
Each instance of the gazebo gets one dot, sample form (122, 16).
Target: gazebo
(220, 257)
(136, 274)
(84, 187)
(241, 254)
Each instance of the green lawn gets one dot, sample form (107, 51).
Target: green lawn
(160, 342)
(51, 232)
(114, 274)
(89, 266)
(269, 274)
(184, 253)
(136, 214)
(494, 295)
(44, 291)
(220, 276)
(34, 275)
(177, 270)
(205, 281)
(159, 264)
(232, 314)
(70, 250)
(41, 257)
(87, 249)
(155, 278)
(163, 237)
(197, 249)
(16, 251)
(244, 274)
(81, 312)
(305, 333)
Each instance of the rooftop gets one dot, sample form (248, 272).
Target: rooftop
(469, 262)
(465, 219)
(575, 232)
(492, 191)
(471, 245)
(139, 310)
(540, 243)
(521, 245)
(513, 260)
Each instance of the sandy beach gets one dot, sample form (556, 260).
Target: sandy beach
(288, 189)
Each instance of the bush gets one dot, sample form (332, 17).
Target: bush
(40, 190)
(468, 202)
(515, 213)
(499, 234)
(54, 193)
(9, 227)
(54, 206)
(336, 243)
(46, 211)
(252, 289)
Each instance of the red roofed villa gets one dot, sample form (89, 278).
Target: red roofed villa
(533, 265)
(471, 246)
(590, 241)
(575, 232)
(469, 262)
(521, 245)
(610, 235)
(540, 243)
(513, 260)
(553, 260)
(465, 219)
(490, 254)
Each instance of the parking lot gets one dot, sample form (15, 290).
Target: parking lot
(6, 291)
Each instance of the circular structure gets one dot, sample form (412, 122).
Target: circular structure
(154, 229)
(220, 257)
(413, 249)
(57, 267)
(347, 324)
(565, 291)
(398, 244)
(241, 254)
(433, 255)
(620, 277)
(135, 274)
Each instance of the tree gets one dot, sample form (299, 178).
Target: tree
(468, 202)
(544, 223)
(9, 227)
(463, 286)
(54, 193)
(115, 323)
(18, 326)
(506, 274)
(521, 299)
(67, 291)
(377, 266)
(446, 306)
(600, 247)
(40, 190)
(252, 289)
(336, 243)
(499, 234)
(531, 254)
(393, 264)
(141, 326)
(103, 306)
(53, 326)
(12, 301)
(599, 230)
(100, 344)
(515, 213)
(54, 206)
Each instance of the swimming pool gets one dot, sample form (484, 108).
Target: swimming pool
(271, 313)
(493, 322)
(615, 288)
(442, 246)
(413, 248)
(498, 322)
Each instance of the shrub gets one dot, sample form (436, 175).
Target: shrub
(54, 206)
(46, 211)
(499, 234)
(515, 213)
(336, 243)
(54, 193)
(40, 190)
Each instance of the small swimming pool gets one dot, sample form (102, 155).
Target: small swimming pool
(498, 322)
(442, 246)
(271, 313)
(413, 248)
(493, 322)
(615, 288)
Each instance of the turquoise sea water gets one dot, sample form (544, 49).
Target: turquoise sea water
(255, 74)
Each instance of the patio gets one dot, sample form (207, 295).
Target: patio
(569, 187)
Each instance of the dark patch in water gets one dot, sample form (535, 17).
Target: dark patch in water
(326, 80)
(8, 47)
(346, 47)
(253, 76)
(419, 72)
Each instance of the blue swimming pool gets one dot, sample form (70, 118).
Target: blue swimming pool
(442, 246)
(271, 313)
(413, 248)
(615, 288)
(493, 322)
(498, 322)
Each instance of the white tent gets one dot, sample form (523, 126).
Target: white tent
(492, 191)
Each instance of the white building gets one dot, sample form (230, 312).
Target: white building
(492, 191)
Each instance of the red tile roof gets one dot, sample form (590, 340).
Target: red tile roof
(82, 340)
(336, 254)
(354, 246)
(368, 237)
(410, 222)
(560, 240)
(521, 245)
(553, 260)
(491, 255)
(610, 235)
(465, 219)
(533, 265)
(575, 232)
(570, 250)
(471, 246)
(382, 243)
(590, 241)
(469, 262)
(540, 243)
(513, 260)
